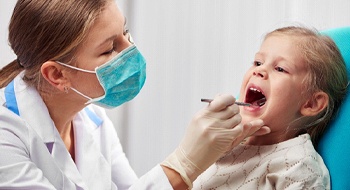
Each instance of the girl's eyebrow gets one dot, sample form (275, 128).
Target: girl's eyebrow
(278, 59)
(259, 53)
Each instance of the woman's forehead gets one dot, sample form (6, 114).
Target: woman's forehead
(107, 26)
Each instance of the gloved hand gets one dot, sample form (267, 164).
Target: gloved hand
(213, 131)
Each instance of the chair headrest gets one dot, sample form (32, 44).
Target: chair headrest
(334, 146)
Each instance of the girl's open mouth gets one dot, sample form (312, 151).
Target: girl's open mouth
(255, 97)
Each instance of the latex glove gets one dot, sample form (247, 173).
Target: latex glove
(253, 128)
(211, 133)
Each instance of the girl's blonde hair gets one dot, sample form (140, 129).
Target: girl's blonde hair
(327, 73)
(43, 30)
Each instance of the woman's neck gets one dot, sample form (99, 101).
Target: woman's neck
(62, 112)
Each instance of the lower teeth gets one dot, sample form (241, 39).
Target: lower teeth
(259, 102)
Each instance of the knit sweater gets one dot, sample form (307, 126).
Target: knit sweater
(291, 165)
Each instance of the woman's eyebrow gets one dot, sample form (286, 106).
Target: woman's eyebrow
(107, 40)
(125, 21)
(114, 36)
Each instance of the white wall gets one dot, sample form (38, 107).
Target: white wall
(195, 49)
(6, 54)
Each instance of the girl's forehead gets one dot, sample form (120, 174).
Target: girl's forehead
(282, 45)
(283, 48)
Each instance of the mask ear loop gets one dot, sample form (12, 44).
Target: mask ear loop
(81, 94)
(76, 68)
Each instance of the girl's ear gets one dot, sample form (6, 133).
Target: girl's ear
(317, 103)
(53, 74)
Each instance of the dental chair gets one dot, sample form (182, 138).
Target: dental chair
(334, 146)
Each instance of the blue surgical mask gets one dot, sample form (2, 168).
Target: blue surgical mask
(121, 78)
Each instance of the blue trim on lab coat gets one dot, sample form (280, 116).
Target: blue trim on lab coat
(11, 104)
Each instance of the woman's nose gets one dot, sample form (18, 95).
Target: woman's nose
(127, 40)
(124, 42)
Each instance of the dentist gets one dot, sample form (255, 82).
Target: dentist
(75, 58)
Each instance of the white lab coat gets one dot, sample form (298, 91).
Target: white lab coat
(33, 155)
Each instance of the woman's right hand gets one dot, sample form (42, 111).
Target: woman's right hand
(212, 132)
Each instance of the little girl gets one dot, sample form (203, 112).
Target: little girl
(296, 83)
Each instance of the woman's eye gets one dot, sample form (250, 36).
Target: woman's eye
(108, 52)
(126, 31)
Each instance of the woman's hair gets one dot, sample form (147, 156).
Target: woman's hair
(41, 30)
(327, 73)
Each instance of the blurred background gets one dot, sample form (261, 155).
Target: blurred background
(194, 49)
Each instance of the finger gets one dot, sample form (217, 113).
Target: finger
(240, 135)
(253, 126)
(247, 130)
(236, 132)
(262, 131)
(221, 102)
(225, 114)
(233, 122)
(226, 124)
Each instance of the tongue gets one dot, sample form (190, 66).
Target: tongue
(259, 102)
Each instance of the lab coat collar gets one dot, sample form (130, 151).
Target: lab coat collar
(93, 166)
(34, 111)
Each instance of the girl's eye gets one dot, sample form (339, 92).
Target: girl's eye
(257, 63)
(280, 69)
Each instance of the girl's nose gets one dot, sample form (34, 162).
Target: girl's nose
(259, 72)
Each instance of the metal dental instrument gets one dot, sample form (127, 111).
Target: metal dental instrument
(237, 103)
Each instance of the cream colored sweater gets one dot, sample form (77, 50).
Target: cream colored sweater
(293, 164)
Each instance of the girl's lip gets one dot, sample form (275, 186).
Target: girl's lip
(253, 108)
(256, 96)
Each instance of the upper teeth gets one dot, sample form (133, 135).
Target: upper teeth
(254, 89)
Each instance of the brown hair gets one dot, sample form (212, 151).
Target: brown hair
(42, 30)
(327, 73)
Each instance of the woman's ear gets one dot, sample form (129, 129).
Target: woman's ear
(317, 103)
(53, 74)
